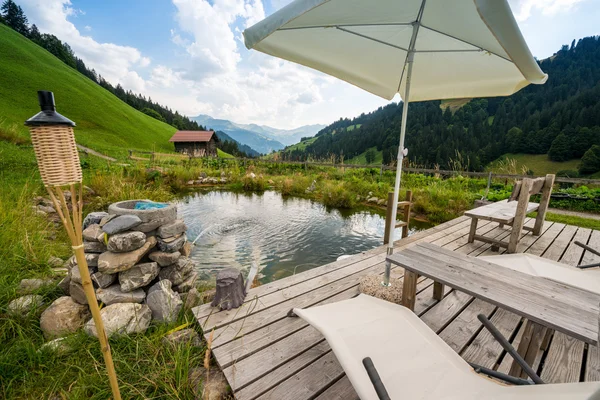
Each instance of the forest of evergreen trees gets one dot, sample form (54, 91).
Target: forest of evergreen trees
(12, 15)
(560, 118)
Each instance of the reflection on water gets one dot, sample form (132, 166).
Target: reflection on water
(284, 235)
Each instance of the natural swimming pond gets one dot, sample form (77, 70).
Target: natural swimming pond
(284, 235)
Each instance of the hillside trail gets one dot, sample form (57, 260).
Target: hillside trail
(87, 150)
(581, 214)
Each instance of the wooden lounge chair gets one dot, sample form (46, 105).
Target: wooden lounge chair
(388, 352)
(513, 212)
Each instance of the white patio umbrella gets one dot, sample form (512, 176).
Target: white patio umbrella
(422, 49)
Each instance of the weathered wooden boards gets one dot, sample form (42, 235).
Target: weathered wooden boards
(277, 357)
(566, 309)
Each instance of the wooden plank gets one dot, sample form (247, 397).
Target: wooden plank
(459, 333)
(549, 303)
(573, 254)
(501, 212)
(529, 345)
(440, 315)
(485, 350)
(341, 390)
(279, 373)
(560, 244)
(267, 335)
(592, 368)
(308, 381)
(521, 212)
(594, 243)
(253, 307)
(564, 360)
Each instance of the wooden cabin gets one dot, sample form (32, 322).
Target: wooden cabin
(196, 143)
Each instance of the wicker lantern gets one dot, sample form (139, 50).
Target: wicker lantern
(58, 161)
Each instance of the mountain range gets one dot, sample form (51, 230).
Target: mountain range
(261, 138)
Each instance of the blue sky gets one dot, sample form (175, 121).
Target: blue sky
(188, 54)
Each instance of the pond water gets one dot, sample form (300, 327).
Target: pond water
(284, 235)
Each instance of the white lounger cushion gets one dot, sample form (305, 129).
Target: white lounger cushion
(412, 361)
(587, 279)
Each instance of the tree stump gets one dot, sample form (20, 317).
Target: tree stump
(230, 289)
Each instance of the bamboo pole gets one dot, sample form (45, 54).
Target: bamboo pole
(74, 230)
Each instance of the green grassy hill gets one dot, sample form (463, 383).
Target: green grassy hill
(540, 164)
(104, 122)
(361, 159)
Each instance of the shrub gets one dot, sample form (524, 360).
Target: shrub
(590, 162)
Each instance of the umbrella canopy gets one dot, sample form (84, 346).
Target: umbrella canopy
(462, 48)
(423, 49)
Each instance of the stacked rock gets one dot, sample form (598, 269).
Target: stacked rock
(137, 256)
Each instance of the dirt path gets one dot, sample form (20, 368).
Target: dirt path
(575, 213)
(87, 150)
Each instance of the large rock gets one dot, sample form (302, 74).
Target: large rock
(172, 244)
(188, 284)
(76, 276)
(64, 284)
(179, 272)
(186, 249)
(93, 218)
(122, 319)
(111, 263)
(208, 385)
(64, 316)
(103, 280)
(192, 299)
(121, 223)
(113, 294)
(55, 262)
(164, 302)
(173, 229)
(138, 276)
(92, 232)
(27, 286)
(126, 241)
(164, 259)
(77, 293)
(90, 258)
(23, 305)
(94, 247)
(185, 336)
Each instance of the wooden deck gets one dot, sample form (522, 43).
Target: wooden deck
(266, 355)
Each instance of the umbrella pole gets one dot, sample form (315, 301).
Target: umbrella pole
(394, 205)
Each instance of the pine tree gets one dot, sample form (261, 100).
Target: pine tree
(34, 34)
(590, 162)
(15, 17)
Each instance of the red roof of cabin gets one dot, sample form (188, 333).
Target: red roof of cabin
(192, 136)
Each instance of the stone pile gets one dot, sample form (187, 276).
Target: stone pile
(204, 179)
(139, 265)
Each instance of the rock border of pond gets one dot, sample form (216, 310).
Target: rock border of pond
(134, 290)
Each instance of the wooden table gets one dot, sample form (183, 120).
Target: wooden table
(504, 213)
(546, 304)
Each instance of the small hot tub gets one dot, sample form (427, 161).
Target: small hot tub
(151, 218)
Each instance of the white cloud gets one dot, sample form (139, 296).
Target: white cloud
(524, 8)
(114, 62)
(87, 28)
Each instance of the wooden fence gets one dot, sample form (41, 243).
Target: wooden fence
(382, 167)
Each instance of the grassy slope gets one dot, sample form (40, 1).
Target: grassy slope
(361, 159)
(539, 163)
(104, 122)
